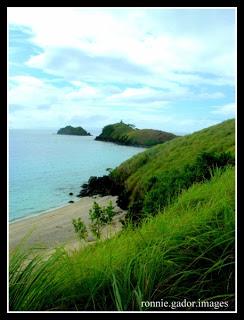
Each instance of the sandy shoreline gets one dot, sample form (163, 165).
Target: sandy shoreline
(54, 228)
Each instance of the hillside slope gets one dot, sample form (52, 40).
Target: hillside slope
(127, 134)
(188, 252)
(141, 173)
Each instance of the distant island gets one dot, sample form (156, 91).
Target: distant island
(128, 134)
(76, 131)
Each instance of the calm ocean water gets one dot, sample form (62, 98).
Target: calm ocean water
(45, 167)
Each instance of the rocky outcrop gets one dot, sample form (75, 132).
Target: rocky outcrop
(76, 131)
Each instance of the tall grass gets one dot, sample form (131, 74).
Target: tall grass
(187, 251)
(137, 172)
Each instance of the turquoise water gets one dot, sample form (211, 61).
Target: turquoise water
(45, 167)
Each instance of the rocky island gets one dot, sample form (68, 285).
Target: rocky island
(128, 134)
(76, 131)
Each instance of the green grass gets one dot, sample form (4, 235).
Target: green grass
(135, 173)
(77, 131)
(127, 134)
(186, 251)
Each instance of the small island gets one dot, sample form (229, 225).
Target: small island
(128, 134)
(76, 131)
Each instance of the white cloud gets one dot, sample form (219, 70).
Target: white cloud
(225, 110)
(146, 95)
(76, 83)
(84, 91)
(32, 92)
(120, 63)
(135, 95)
(130, 36)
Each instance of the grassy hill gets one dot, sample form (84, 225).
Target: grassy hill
(76, 131)
(186, 251)
(128, 135)
(144, 172)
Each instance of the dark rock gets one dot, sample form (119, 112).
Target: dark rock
(71, 201)
(71, 193)
(102, 186)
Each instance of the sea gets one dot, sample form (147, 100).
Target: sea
(43, 168)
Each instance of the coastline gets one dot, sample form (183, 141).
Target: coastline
(122, 143)
(41, 212)
(53, 228)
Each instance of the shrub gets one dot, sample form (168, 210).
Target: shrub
(96, 212)
(80, 228)
(162, 189)
(207, 161)
(109, 212)
(100, 216)
(96, 228)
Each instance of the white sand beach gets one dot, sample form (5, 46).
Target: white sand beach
(51, 229)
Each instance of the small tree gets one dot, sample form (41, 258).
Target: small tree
(99, 217)
(96, 229)
(96, 212)
(80, 228)
(109, 212)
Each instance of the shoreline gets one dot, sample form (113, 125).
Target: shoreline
(54, 228)
(42, 212)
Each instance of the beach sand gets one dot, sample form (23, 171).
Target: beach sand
(54, 228)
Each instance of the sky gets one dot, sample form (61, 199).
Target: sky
(167, 69)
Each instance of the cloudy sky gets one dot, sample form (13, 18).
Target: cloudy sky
(168, 69)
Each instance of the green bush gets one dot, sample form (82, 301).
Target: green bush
(100, 216)
(80, 228)
(109, 212)
(188, 252)
(134, 174)
(96, 228)
(164, 188)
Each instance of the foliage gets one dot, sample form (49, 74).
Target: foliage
(80, 228)
(100, 216)
(165, 187)
(128, 134)
(95, 227)
(150, 180)
(188, 252)
(109, 212)
(77, 131)
(155, 168)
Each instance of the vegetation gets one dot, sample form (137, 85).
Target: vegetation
(154, 178)
(80, 228)
(184, 247)
(185, 252)
(76, 131)
(99, 217)
(144, 174)
(129, 135)
(164, 188)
